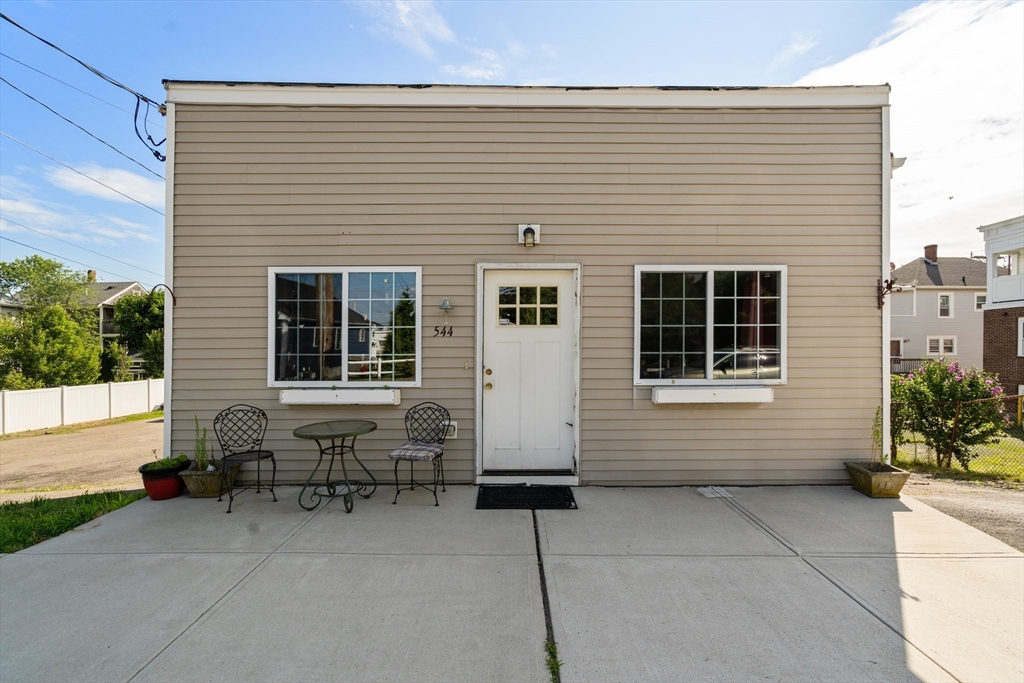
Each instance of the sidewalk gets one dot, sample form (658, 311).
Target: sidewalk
(801, 583)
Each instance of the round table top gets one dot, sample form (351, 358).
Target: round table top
(334, 429)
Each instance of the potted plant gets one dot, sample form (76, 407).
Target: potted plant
(205, 476)
(877, 478)
(162, 478)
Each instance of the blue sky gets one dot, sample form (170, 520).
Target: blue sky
(956, 71)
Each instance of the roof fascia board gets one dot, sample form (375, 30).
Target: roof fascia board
(1008, 223)
(135, 286)
(456, 96)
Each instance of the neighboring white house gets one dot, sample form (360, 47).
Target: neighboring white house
(939, 310)
(1004, 311)
(103, 295)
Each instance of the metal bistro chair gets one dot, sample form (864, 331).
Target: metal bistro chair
(240, 430)
(426, 425)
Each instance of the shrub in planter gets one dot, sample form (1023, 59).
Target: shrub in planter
(205, 477)
(162, 478)
(877, 478)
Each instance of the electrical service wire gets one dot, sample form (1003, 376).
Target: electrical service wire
(71, 168)
(78, 246)
(134, 161)
(53, 78)
(139, 97)
(50, 253)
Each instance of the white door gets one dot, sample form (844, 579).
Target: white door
(529, 378)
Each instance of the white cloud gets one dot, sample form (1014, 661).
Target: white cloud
(957, 114)
(19, 205)
(801, 45)
(149, 192)
(487, 66)
(412, 23)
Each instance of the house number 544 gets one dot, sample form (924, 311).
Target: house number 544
(445, 331)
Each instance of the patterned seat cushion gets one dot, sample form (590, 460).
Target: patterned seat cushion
(417, 450)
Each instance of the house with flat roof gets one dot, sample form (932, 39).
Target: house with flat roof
(630, 285)
(1004, 310)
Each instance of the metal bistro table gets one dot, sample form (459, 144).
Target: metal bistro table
(345, 430)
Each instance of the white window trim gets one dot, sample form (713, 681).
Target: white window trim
(710, 271)
(928, 340)
(272, 271)
(977, 295)
(1020, 336)
(938, 306)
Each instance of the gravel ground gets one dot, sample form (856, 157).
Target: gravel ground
(97, 458)
(998, 510)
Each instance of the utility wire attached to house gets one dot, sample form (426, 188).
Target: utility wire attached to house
(152, 144)
(65, 83)
(95, 137)
(85, 175)
(78, 246)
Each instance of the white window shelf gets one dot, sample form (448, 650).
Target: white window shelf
(661, 395)
(343, 397)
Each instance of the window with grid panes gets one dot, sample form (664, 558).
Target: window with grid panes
(344, 326)
(709, 325)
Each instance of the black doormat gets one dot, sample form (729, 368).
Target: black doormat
(525, 498)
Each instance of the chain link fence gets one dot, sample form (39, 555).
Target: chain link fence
(984, 436)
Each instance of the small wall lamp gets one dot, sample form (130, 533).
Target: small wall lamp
(529, 234)
(446, 306)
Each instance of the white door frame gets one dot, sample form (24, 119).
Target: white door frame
(574, 479)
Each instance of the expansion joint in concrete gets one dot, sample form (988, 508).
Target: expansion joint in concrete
(550, 643)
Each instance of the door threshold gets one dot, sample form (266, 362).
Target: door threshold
(529, 479)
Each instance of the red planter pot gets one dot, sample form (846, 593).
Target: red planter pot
(163, 484)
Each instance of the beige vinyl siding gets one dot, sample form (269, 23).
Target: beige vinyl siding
(443, 188)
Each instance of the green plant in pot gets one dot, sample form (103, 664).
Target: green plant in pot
(206, 476)
(162, 477)
(877, 478)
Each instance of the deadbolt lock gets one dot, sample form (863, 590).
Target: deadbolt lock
(488, 371)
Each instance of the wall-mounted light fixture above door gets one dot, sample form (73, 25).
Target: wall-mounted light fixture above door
(529, 234)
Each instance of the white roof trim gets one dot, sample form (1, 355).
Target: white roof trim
(299, 94)
(130, 289)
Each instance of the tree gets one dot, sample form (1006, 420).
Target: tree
(139, 319)
(39, 282)
(115, 363)
(951, 410)
(45, 347)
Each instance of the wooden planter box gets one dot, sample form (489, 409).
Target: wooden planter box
(876, 480)
(209, 484)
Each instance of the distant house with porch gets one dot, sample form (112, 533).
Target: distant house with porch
(1004, 310)
(938, 312)
(102, 296)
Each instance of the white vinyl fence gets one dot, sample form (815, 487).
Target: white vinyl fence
(21, 411)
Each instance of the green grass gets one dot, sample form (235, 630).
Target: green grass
(25, 524)
(554, 666)
(69, 429)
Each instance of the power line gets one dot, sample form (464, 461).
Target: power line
(78, 246)
(93, 69)
(53, 78)
(50, 253)
(80, 173)
(139, 163)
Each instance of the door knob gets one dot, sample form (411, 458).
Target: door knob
(488, 386)
(488, 371)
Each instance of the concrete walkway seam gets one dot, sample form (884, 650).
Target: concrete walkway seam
(849, 592)
(548, 624)
(228, 593)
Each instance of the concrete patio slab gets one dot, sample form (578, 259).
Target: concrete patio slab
(717, 619)
(370, 618)
(965, 613)
(77, 617)
(187, 525)
(414, 526)
(651, 521)
(825, 520)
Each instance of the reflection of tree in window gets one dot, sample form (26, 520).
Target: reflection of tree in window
(399, 345)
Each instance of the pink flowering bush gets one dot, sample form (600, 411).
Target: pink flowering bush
(944, 407)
